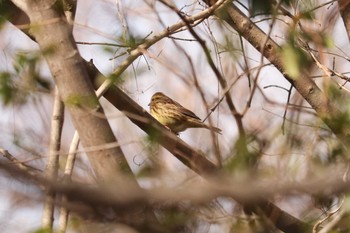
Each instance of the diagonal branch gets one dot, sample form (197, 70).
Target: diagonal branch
(191, 158)
(325, 109)
(344, 9)
(54, 36)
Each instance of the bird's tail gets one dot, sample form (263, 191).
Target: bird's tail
(215, 129)
(198, 124)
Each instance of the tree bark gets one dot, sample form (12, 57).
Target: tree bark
(54, 36)
(195, 160)
(192, 158)
(325, 109)
(344, 9)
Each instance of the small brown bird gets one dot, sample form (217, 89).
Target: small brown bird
(174, 116)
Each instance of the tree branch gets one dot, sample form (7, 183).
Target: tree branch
(325, 109)
(52, 166)
(193, 159)
(54, 36)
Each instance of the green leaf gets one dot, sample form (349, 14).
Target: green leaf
(328, 41)
(243, 159)
(79, 101)
(6, 87)
(294, 60)
(309, 15)
(264, 6)
(43, 230)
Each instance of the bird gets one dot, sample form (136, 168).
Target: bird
(174, 116)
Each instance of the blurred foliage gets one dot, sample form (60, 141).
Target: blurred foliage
(339, 96)
(24, 81)
(247, 225)
(66, 5)
(118, 51)
(4, 11)
(6, 88)
(175, 218)
(118, 80)
(151, 165)
(79, 101)
(43, 230)
(267, 7)
(245, 155)
(264, 6)
(294, 57)
(294, 60)
(232, 46)
(124, 44)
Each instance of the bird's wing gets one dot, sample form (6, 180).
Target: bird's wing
(183, 110)
(189, 113)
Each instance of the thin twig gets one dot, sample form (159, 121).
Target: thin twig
(19, 164)
(201, 92)
(286, 108)
(52, 166)
(139, 50)
(64, 212)
(237, 116)
(332, 223)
